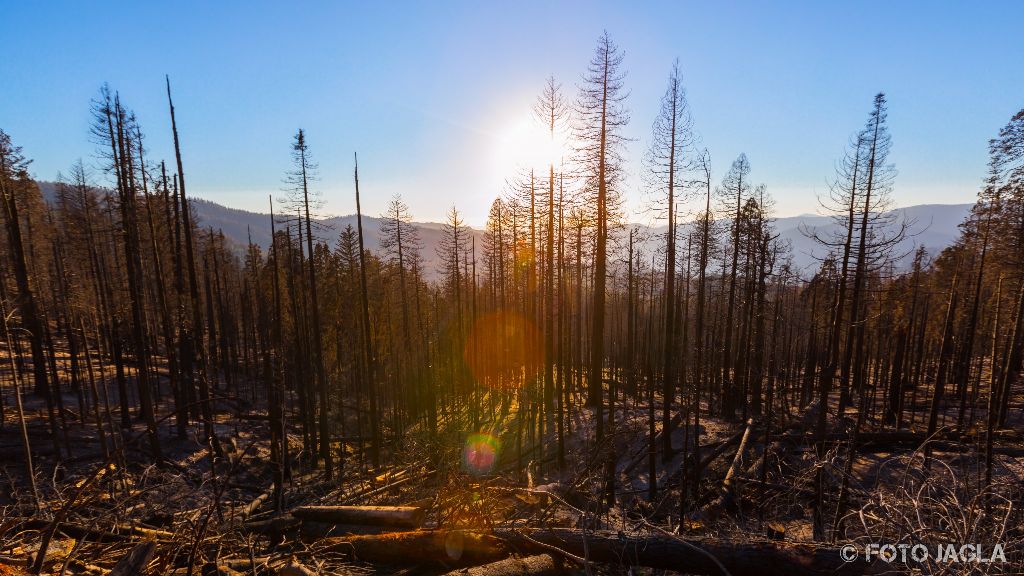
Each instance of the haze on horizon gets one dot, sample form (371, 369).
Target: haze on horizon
(437, 98)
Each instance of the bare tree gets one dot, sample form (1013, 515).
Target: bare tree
(667, 160)
(601, 116)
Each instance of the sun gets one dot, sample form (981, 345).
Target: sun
(522, 144)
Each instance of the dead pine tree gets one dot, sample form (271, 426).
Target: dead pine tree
(299, 179)
(192, 336)
(690, 491)
(667, 161)
(735, 187)
(369, 360)
(551, 111)
(14, 180)
(601, 116)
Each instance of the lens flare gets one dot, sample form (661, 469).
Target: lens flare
(481, 453)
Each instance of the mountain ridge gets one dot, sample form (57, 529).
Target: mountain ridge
(935, 226)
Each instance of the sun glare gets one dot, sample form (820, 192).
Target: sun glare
(522, 144)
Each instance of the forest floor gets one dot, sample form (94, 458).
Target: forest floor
(217, 519)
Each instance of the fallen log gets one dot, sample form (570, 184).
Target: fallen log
(313, 530)
(690, 556)
(539, 565)
(720, 449)
(272, 527)
(135, 561)
(250, 508)
(447, 546)
(117, 533)
(727, 496)
(276, 529)
(727, 483)
(398, 516)
(293, 568)
(237, 565)
(363, 495)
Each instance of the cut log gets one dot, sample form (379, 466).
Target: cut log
(398, 516)
(448, 546)
(692, 556)
(539, 565)
(135, 561)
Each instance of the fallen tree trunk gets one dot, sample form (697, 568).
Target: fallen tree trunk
(117, 533)
(721, 449)
(726, 498)
(539, 565)
(363, 495)
(448, 546)
(311, 530)
(251, 508)
(398, 516)
(272, 526)
(295, 569)
(738, 459)
(691, 556)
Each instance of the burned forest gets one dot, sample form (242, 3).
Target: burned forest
(557, 390)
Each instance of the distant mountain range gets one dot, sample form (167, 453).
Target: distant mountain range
(934, 226)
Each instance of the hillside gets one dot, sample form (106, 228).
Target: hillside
(934, 226)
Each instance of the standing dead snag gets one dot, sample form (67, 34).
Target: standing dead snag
(692, 488)
(192, 345)
(368, 359)
(18, 390)
(734, 187)
(304, 172)
(119, 128)
(601, 119)
(14, 179)
(667, 162)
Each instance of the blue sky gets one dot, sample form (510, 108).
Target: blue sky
(433, 95)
